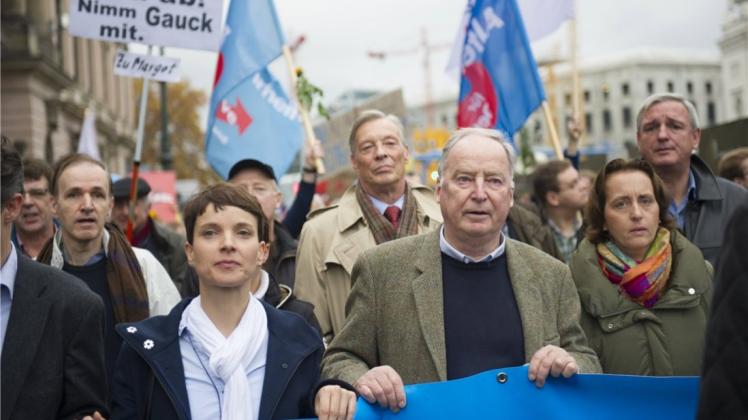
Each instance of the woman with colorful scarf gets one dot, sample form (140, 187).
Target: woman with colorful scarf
(645, 289)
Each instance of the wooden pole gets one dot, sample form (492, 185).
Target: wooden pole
(137, 156)
(578, 102)
(552, 128)
(308, 129)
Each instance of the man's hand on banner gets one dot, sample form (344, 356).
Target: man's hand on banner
(384, 386)
(553, 360)
(334, 402)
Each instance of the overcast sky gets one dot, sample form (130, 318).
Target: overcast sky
(340, 32)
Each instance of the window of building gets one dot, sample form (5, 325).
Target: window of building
(588, 122)
(711, 113)
(737, 102)
(689, 87)
(626, 117)
(670, 86)
(708, 87)
(607, 120)
(625, 89)
(650, 87)
(606, 92)
(586, 95)
(567, 99)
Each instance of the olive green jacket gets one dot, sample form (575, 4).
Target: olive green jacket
(330, 242)
(665, 340)
(396, 311)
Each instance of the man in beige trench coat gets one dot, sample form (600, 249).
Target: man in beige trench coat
(381, 206)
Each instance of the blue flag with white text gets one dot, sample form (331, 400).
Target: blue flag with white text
(254, 120)
(499, 84)
(250, 116)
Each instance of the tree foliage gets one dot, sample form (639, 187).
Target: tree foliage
(185, 132)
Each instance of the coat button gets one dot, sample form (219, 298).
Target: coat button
(284, 365)
(610, 326)
(691, 290)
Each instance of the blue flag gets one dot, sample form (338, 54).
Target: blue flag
(250, 116)
(499, 85)
(254, 120)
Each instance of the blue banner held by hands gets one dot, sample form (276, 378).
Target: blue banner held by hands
(583, 396)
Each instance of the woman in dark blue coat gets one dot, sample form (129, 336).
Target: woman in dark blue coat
(225, 354)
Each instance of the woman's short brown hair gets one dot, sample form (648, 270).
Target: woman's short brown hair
(595, 213)
(221, 195)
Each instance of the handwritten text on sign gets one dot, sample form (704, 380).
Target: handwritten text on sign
(194, 24)
(163, 69)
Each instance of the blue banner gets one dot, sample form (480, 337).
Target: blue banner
(255, 120)
(499, 85)
(508, 394)
(250, 115)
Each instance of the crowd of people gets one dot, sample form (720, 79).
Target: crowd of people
(635, 270)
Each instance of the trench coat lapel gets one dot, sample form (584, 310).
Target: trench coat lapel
(429, 300)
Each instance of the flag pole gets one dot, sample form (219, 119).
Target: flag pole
(308, 129)
(136, 158)
(552, 128)
(576, 84)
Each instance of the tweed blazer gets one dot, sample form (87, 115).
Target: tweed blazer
(396, 311)
(53, 355)
(330, 243)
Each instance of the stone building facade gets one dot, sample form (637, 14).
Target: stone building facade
(49, 78)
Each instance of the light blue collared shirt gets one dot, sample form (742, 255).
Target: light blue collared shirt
(381, 206)
(678, 211)
(454, 253)
(7, 282)
(205, 390)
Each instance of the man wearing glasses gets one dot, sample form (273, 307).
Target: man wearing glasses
(561, 199)
(35, 225)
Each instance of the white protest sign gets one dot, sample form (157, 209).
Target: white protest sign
(152, 67)
(194, 24)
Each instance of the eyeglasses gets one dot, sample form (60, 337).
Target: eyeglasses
(37, 192)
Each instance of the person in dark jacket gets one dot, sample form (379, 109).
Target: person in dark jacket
(225, 354)
(645, 289)
(165, 244)
(668, 135)
(525, 226)
(724, 384)
(259, 180)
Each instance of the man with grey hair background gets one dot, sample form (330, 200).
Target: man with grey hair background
(380, 207)
(668, 136)
(424, 308)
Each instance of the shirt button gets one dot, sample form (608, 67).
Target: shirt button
(691, 291)
(284, 365)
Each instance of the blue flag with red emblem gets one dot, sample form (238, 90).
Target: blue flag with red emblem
(250, 115)
(499, 84)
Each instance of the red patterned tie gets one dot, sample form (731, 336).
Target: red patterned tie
(392, 213)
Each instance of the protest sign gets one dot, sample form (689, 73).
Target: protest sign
(194, 24)
(152, 67)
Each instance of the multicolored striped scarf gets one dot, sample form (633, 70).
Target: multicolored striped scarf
(643, 282)
(381, 228)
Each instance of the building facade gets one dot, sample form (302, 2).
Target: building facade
(614, 87)
(49, 78)
(734, 53)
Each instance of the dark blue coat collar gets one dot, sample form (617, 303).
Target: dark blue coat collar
(156, 340)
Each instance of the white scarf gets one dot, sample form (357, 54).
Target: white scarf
(230, 357)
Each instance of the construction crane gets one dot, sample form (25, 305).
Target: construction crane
(427, 48)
